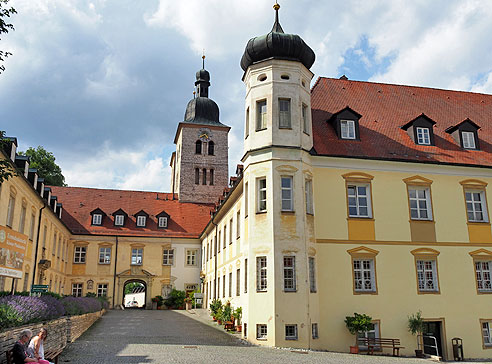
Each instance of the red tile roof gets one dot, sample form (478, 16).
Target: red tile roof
(186, 219)
(385, 108)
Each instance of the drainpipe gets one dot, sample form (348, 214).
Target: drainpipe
(215, 257)
(37, 245)
(115, 263)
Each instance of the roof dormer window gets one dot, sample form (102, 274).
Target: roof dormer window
(97, 217)
(423, 136)
(162, 220)
(420, 130)
(347, 129)
(119, 220)
(465, 134)
(468, 139)
(141, 221)
(346, 124)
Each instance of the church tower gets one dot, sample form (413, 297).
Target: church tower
(200, 163)
(278, 183)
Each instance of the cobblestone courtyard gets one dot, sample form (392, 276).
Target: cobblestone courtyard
(138, 336)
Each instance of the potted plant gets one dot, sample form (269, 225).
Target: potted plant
(214, 307)
(219, 315)
(356, 324)
(416, 327)
(226, 313)
(237, 314)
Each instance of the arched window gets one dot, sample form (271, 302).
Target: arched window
(197, 176)
(204, 176)
(211, 177)
(198, 147)
(211, 146)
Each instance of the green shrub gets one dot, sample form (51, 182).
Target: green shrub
(215, 306)
(176, 299)
(9, 317)
(358, 323)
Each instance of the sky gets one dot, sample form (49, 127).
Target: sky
(103, 84)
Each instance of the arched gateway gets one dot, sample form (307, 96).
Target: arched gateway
(135, 274)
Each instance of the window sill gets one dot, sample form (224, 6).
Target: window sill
(261, 129)
(313, 291)
(78, 262)
(136, 265)
(265, 339)
(306, 133)
(291, 338)
(422, 220)
(428, 292)
(484, 292)
(365, 292)
(261, 212)
(361, 218)
(288, 212)
(104, 263)
(290, 290)
(285, 128)
(478, 223)
(310, 213)
(263, 291)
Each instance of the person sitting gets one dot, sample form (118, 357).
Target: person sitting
(19, 354)
(36, 346)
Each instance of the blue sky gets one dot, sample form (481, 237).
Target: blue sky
(103, 83)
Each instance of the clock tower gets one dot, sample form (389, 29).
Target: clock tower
(200, 163)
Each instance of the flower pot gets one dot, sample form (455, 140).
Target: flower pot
(419, 353)
(219, 322)
(214, 318)
(154, 305)
(239, 328)
(354, 350)
(189, 306)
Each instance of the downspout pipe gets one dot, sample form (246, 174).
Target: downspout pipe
(215, 257)
(37, 245)
(115, 264)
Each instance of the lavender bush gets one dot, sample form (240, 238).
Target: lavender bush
(55, 307)
(81, 305)
(29, 309)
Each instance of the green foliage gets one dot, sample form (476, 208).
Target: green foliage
(5, 12)
(6, 168)
(237, 314)
(415, 323)
(53, 294)
(215, 306)
(358, 323)
(130, 286)
(44, 162)
(176, 299)
(226, 312)
(91, 294)
(7, 293)
(9, 317)
(159, 300)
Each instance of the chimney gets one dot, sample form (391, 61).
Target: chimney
(32, 177)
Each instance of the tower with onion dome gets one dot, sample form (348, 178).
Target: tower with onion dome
(200, 163)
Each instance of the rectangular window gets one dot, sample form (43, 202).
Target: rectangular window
(312, 275)
(475, 206)
(197, 176)
(364, 279)
(96, 219)
(483, 271)
(305, 119)
(191, 256)
(230, 231)
(223, 286)
(261, 332)
(245, 275)
(141, 220)
(77, 289)
(104, 255)
(31, 227)
(487, 333)
(204, 176)
(211, 177)
(246, 198)
(238, 282)
(372, 333)
(26, 281)
(262, 195)
(163, 222)
(468, 139)
(168, 257)
(119, 220)
(218, 287)
(290, 274)
(284, 114)
(45, 234)
(10, 211)
(359, 201)
(54, 245)
(286, 190)
(137, 255)
(314, 331)
(308, 186)
(420, 203)
(238, 225)
(230, 284)
(79, 254)
(246, 127)
(423, 136)
(347, 129)
(261, 274)
(22, 222)
(427, 275)
(290, 332)
(225, 235)
(102, 290)
(261, 115)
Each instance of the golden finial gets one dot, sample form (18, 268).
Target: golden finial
(276, 6)
(203, 59)
(194, 93)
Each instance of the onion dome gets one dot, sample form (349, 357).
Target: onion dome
(277, 45)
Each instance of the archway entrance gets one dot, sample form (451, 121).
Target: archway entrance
(134, 293)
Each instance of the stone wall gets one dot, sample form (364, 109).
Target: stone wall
(60, 332)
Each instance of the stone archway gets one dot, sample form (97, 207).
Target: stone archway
(135, 299)
(135, 274)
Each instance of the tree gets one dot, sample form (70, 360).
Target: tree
(131, 286)
(44, 162)
(6, 169)
(358, 323)
(5, 12)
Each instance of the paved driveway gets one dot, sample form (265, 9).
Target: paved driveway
(138, 336)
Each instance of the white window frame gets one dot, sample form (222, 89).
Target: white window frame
(261, 114)
(230, 284)
(262, 194)
(472, 203)
(308, 189)
(163, 222)
(487, 333)
(119, 220)
(141, 220)
(246, 199)
(97, 219)
(369, 334)
(238, 282)
(305, 119)
(77, 289)
(284, 116)
(168, 257)
(287, 193)
(289, 273)
(427, 275)
(358, 199)
(261, 331)
(102, 289)
(291, 335)
(79, 254)
(261, 274)
(347, 129)
(312, 274)
(416, 201)
(105, 254)
(364, 274)
(10, 211)
(137, 256)
(468, 139)
(483, 272)
(191, 257)
(246, 127)
(423, 135)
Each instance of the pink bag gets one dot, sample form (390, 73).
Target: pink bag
(42, 361)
